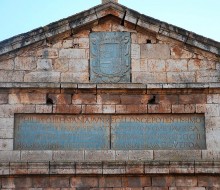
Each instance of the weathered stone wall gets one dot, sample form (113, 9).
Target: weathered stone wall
(154, 59)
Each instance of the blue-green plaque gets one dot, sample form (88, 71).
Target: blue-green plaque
(110, 60)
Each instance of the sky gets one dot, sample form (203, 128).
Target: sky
(199, 16)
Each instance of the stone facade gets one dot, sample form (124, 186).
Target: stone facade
(170, 73)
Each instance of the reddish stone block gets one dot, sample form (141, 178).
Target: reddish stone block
(3, 98)
(155, 108)
(59, 182)
(193, 99)
(108, 108)
(164, 181)
(110, 181)
(41, 182)
(209, 181)
(186, 181)
(136, 181)
(121, 109)
(178, 108)
(166, 99)
(135, 99)
(84, 182)
(93, 109)
(200, 108)
(21, 182)
(136, 109)
(18, 168)
(158, 188)
(189, 108)
(75, 109)
(84, 99)
(60, 98)
(89, 168)
(108, 99)
(134, 168)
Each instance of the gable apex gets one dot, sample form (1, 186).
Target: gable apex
(95, 14)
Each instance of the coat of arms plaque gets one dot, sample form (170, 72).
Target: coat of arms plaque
(110, 57)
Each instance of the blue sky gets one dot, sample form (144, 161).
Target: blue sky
(199, 16)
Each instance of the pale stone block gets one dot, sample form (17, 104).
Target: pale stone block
(61, 64)
(3, 98)
(81, 42)
(44, 65)
(122, 155)
(6, 133)
(62, 168)
(48, 53)
(10, 156)
(212, 110)
(180, 53)
(27, 98)
(110, 168)
(155, 51)
(7, 111)
(176, 65)
(177, 155)
(68, 44)
(7, 64)
(42, 77)
(181, 77)
(143, 65)
(100, 155)
(147, 77)
(36, 155)
(72, 53)
(4, 169)
(38, 168)
(154, 65)
(44, 109)
(57, 45)
(140, 155)
(135, 51)
(212, 139)
(208, 76)
(199, 65)
(157, 167)
(210, 155)
(68, 155)
(88, 168)
(11, 76)
(25, 63)
(108, 108)
(79, 65)
(6, 144)
(213, 99)
(135, 65)
(75, 77)
(6, 128)
(134, 38)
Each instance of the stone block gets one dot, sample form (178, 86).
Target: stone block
(209, 181)
(6, 144)
(11, 76)
(38, 168)
(84, 99)
(7, 64)
(207, 167)
(57, 168)
(90, 182)
(149, 77)
(181, 167)
(73, 109)
(193, 99)
(136, 181)
(134, 167)
(121, 108)
(109, 181)
(110, 99)
(173, 65)
(155, 51)
(75, 77)
(188, 108)
(72, 53)
(163, 108)
(100, 155)
(213, 99)
(3, 98)
(135, 65)
(135, 51)
(113, 168)
(42, 76)
(185, 181)
(61, 64)
(154, 65)
(6, 128)
(93, 109)
(10, 156)
(40, 182)
(163, 181)
(89, 168)
(121, 155)
(136, 109)
(160, 188)
(210, 155)
(134, 99)
(155, 167)
(36, 155)
(25, 63)
(212, 110)
(178, 52)
(167, 99)
(18, 168)
(140, 155)
(208, 76)
(60, 98)
(199, 65)
(59, 182)
(44, 65)
(108, 109)
(79, 65)
(17, 183)
(181, 77)
(68, 155)
(7, 111)
(177, 155)
(212, 139)
(81, 42)
(44, 108)
(27, 98)
(48, 53)
(4, 169)
(200, 108)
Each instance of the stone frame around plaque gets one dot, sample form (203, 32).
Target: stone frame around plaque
(110, 60)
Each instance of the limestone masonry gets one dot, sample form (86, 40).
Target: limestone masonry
(109, 99)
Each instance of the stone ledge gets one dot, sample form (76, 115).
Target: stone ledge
(110, 86)
(108, 168)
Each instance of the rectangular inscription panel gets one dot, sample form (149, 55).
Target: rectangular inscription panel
(61, 132)
(158, 132)
(103, 132)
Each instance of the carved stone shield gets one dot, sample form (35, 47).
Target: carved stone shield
(110, 57)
